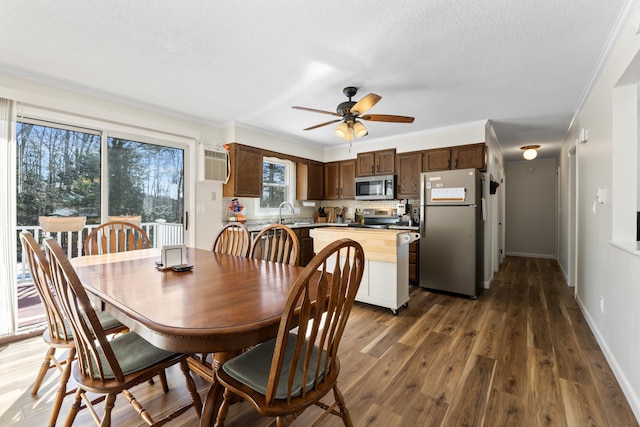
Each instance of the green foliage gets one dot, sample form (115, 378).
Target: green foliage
(274, 184)
(59, 174)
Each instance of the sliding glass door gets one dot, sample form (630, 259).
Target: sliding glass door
(65, 171)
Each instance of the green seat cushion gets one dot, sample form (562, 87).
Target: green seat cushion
(252, 368)
(106, 320)
(134, 353)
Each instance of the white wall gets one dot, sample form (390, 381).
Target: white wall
(531, 208)
(464, 133)
(84, 109)
(608, 272)
(246, 135)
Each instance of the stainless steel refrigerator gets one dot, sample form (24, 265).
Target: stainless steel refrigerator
(452, 231)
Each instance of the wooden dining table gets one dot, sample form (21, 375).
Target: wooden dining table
(225, 304)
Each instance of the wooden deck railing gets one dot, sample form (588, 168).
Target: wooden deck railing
(160, 234)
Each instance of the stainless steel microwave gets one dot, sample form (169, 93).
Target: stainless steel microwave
(381, 187)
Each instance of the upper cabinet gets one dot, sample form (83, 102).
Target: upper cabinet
(339, 180)
(309, 179)
(438, 159)
(376, 163)
(409, 167)
(470, 156)
(458, 157)
(245, 179)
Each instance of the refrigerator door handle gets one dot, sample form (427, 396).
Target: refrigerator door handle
(423, 202)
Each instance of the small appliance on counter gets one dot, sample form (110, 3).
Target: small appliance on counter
(415, 216)
(403, 210)
(376, 218)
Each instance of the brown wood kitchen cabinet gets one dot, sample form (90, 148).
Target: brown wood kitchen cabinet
(414, 265)
(438, 159)
(309, 180)
(306, 245)
(408, 166)
(339, 180)
(376, 163)
(245, 179)
(458, 157)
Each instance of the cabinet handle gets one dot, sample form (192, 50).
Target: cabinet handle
(448, 164)
(455, 166)
(377, 168)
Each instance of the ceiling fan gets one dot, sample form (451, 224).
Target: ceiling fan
(351, 112)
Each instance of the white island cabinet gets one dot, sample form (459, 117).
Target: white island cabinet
(385, 281)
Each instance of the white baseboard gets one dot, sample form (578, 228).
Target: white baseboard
(627, 389)
(487, 283)
(527, 255)
(564, 274)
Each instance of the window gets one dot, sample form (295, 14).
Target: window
(145, 179)
(277, 186)
(58, 172)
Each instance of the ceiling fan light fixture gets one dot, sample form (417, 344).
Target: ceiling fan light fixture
(342, 130)
(360, 130)
(351, 112)
(530, 151)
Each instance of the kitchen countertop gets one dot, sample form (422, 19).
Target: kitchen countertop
(258, 227)
(404, 227)
(379, 244)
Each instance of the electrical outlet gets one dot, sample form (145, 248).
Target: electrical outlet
(593, 207)
(601, 305)
(213, 196)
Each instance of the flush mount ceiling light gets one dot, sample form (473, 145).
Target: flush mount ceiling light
(530, 151)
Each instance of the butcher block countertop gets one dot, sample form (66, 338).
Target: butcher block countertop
(378, 244)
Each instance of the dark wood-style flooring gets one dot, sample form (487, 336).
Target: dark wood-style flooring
(520, 355)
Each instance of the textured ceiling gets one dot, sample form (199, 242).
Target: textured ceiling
(523, 65)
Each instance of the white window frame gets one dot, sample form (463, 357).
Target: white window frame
(290, 194)
(153, 133)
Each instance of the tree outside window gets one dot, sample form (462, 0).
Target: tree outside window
(275, 183)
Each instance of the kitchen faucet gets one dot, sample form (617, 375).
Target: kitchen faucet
(280, 210)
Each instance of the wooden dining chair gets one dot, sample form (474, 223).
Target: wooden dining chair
(134, 219)
(58, 334)
(277, 243)
(116, 236)
(284, 376)
(108, 367)
(233, 239)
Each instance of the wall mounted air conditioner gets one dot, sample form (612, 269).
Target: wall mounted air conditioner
(213, 164)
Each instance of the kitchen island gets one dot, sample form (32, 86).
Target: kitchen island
(385, 282)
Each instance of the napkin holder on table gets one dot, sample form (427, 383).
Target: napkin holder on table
(172, 255)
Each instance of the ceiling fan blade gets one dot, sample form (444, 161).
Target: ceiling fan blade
(387, 118)
(365, 103)
(323, 124)
(317, 111)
